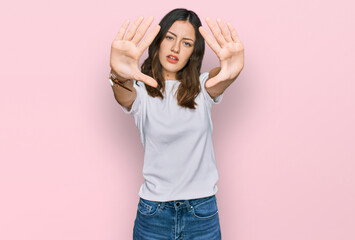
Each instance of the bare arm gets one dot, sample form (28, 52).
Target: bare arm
(122, 95)
(220, 87)
(124, 59)
(230, 52)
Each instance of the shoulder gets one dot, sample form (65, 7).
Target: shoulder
(211, 100)
(203, 77)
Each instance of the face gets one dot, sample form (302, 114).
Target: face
(178, 43)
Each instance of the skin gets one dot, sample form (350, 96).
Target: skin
(225, 43)
(125, 54)
(230, 51)
(125, 51)
(179, 41)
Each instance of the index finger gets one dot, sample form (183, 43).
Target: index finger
(142, 30)
(122, 30)
(210, 40)
(216, 32)
(233, 32)
(149, 38)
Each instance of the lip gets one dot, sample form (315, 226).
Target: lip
(173, 56)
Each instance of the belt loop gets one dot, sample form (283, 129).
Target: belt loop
(188, 205)
(162, 204)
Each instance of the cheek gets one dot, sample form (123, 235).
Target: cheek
(188, 54)
(162, 49)
(163, 45)
(161, 52)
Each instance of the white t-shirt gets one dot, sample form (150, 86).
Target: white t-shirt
(179, 160)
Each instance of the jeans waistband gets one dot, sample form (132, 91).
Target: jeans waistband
(182, 203)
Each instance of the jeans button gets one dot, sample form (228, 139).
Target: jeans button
(177, 204)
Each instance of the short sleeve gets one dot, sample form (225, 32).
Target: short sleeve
(137, 104)
(215, 100)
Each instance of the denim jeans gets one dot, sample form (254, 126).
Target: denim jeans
(195, 219)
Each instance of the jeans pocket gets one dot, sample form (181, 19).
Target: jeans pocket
(206, 209)
(147, 207)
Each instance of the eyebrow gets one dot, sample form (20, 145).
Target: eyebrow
(182, 38)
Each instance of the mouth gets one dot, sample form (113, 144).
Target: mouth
(172, 59)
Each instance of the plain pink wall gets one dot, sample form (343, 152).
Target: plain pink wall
(71, 160)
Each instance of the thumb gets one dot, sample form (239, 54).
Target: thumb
(146, 79)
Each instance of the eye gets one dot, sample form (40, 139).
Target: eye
(188, 44)
(169, 37)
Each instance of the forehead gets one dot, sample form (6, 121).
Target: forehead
(183, 29)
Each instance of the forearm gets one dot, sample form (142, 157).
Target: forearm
(123, 90)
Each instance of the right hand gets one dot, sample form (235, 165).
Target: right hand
(125, 53)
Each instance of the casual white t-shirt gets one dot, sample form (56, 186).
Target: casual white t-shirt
(179, 160)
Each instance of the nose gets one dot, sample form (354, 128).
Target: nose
(175, 47)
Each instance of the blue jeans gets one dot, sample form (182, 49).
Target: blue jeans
(195, 219)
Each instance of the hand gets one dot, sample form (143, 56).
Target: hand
(125, 53)
(228, 48)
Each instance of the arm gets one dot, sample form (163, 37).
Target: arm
(220, 87)
(124, 92)
(124, 59)
(230, 52)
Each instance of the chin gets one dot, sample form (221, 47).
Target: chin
(171, 70)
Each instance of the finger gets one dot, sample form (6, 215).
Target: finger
(132, 30)
(224, 29)
(210, 40)
(142, 30)
(122, 30)
(146, 79)
(216, 32)
(212, 81)
(233, 32)
(149, 39)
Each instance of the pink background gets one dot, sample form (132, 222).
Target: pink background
(71, 160)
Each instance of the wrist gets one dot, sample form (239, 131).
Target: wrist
(115, 80)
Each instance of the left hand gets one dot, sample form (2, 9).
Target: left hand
(228, 48)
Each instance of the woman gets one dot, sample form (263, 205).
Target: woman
(171, 103)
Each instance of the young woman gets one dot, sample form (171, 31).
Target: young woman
(171, 103)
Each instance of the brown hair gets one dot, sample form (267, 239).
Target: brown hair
(188, 76)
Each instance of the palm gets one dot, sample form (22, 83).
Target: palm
(125, 53)
(125, 58)
(230, 60)
(227, 47)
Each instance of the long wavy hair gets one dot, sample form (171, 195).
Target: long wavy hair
(188, 76)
